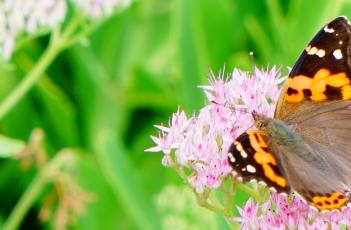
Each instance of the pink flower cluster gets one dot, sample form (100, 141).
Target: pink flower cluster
(200, 143)
(283, 212)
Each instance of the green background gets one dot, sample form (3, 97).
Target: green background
(104, 97)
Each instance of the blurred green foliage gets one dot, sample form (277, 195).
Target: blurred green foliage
(104, 97)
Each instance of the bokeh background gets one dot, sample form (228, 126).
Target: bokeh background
(103, 97)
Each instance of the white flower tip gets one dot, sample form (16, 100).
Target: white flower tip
(156, 140)
(282, 79)
(206, 87)
(153, 149)
(162, 128)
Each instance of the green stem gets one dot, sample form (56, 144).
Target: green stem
(215, 202)
(252, 192)
(25, 202)
(202, 201)
(58, 42)
(35, 188)
(20, 43)
(30, 79)
(228, 196)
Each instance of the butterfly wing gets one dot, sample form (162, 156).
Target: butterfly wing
(322, 72)
(312, 174)
(250, 159)
(315, 103)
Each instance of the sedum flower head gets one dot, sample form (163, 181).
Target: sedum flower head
(19, 17)
(200, 142)
(28, 16)
(196, 146)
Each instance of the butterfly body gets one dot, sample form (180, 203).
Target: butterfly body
(278, 131)
(306, 147)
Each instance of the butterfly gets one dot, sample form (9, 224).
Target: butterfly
(306, 147)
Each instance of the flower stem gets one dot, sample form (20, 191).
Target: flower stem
(25, 202)
(228, 196)
(59, 41)
(250, 191)
(202, 201)
(45, 175)
(30, 79)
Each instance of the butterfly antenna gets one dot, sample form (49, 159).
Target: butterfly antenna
(242, 110)
(232, 108)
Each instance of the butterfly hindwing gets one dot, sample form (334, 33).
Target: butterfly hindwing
(315, 174)
(311, 174)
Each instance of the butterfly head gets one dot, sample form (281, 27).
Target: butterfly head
(261, 121)
(278, 131)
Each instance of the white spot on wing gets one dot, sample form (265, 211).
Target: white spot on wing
(231, 157)
(337, 54)
(250, 169)
(313, 51)
(340, 42)
(238, 146)
(243, 154)
(320, 53)
(329, 30)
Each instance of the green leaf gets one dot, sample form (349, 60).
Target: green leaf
(104, 211)
(59, 113)
(107, 116)
(125, 181)
(190, 53)
(9, 147)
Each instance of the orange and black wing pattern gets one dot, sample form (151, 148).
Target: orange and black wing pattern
(251, 159)
(322, 72)
(320, 78)
(326, 201)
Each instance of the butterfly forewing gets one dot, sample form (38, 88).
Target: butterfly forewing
(322, 72)
(328, 49)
